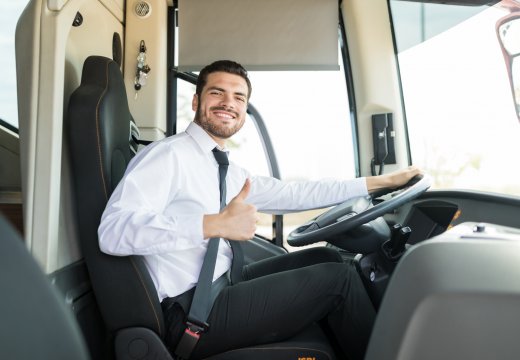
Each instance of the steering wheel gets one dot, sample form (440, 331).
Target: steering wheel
(355, 212)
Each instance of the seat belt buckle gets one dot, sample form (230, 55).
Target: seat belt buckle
(189, 339)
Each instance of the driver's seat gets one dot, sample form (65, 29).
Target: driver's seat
(99, 123)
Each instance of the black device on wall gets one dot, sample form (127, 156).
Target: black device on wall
(383, 135)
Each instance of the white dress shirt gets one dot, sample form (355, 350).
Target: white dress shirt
(157, 208)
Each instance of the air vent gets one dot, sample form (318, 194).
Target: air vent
(142, 9)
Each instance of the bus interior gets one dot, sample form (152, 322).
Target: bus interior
(341, 89)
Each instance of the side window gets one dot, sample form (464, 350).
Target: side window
(10, 11)
(461, 114)
(293, 105)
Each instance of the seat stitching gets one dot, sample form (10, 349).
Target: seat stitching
(98, 136)
(147, 295)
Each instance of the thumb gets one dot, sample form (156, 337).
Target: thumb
(242, 195)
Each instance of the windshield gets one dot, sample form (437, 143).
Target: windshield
(457, 87)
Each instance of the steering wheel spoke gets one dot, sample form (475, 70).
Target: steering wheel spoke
(308, 227)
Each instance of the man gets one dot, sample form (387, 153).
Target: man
(167, 206)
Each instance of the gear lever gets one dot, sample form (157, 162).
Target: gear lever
(399, 241)
(395, 247)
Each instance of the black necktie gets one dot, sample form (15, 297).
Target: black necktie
(236, 247)
(223, 164)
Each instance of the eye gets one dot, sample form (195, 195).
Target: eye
(241, 99)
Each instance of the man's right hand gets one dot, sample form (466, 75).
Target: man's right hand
(237, 221)
(392, 180)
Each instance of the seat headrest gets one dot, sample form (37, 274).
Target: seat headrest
(100, 104)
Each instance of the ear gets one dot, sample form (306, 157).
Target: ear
(195, 102)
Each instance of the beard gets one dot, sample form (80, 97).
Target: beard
(213, 127)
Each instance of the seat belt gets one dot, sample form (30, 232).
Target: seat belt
(202, 302)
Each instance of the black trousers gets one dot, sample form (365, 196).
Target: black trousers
(278, 298)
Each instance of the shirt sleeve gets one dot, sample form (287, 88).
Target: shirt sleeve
(277, 197)
(134, 222)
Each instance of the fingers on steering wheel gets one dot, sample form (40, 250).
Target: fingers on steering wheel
(414, 171)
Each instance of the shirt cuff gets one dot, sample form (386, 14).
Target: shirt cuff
(358, 187)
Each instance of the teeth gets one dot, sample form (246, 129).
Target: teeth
(224, 115)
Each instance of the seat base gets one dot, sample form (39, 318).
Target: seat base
(144, 344)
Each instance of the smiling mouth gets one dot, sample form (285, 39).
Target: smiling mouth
(223, 113)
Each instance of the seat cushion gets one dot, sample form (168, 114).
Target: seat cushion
(309, 344)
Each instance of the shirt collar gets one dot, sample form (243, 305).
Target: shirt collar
(201, 137)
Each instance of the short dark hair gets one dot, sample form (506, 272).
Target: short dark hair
(227, 66)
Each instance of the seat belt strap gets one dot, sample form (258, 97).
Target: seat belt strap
(202, 302)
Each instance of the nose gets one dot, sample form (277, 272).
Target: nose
(227, 101)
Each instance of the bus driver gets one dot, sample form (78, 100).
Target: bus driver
(167, 206)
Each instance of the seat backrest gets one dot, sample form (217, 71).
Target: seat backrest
(34, 321)
(99, 141)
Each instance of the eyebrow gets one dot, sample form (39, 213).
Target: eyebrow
(220, 89)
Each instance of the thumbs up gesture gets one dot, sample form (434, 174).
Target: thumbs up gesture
(242, 195)
(237, 221)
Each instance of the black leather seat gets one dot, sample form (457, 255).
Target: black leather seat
(99, 132)
(34, 322)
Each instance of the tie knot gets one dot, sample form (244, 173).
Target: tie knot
(221, 157)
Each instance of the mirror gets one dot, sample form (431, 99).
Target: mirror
(508, 30)
(509, 33)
